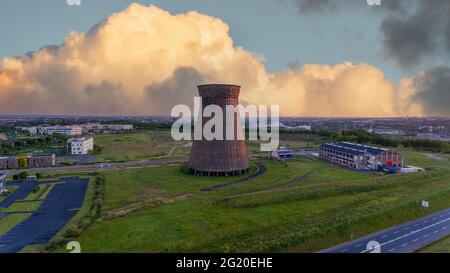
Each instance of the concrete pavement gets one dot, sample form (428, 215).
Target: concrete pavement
(404, 238)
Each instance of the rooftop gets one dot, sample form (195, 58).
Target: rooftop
(355, 149)
(79, 139)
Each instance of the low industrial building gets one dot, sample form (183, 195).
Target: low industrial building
(358, 156)
(8, 162)
(60, 130)
(97, 127)
(41, 160)
(282, 154)
(28, 161)
(80, 146)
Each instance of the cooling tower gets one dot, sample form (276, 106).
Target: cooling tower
(219, 157)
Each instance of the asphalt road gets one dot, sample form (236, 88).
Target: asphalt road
(108, 166)
(404, 238)
(104, 166)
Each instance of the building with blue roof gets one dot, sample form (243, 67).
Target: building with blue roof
(359, 156)
(282, 154)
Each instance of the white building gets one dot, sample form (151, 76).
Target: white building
(80, 146)
(30, 130)
(60, 130)
(95, 127)
(2, 183)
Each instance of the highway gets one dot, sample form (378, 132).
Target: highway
(404, 238)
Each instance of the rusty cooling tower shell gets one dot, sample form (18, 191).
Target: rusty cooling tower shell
(219, 157)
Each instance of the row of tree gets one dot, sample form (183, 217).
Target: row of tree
(364, 137)
(31, 143)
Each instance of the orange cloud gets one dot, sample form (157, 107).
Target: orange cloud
(144, 60)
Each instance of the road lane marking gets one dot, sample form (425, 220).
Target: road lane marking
(436, 231)
(391, 250)
(426, 235)
(384, 236)
(410, 233)
(403, 245)
(415, 240)
(359, 245)
(345, 250)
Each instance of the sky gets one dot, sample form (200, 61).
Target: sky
(310, 56)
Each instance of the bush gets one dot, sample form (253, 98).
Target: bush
(22, 175)
(184, 168)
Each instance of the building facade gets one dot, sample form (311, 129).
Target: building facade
(60, 130)
(8, 162)
(357, 156)
(28, 161)
(41, 160)
(80, 146)
(97, 127)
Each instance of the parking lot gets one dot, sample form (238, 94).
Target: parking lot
(60, 205)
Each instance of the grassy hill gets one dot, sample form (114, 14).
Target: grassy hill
(300, 206)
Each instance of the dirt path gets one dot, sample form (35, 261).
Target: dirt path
(433, 156)
(157, 201)
(261, 170)
(294, 181)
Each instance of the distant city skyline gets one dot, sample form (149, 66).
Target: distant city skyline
(313, 58)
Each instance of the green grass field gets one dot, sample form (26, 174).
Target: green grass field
(142, 145)
(301, 206)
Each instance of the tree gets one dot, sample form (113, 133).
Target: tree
(23, 175)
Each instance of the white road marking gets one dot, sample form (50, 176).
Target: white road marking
(359, 245)
(403, 245)
(415, 240)
(436, 231)
(391, 250)
(411, 233)
(345, 250)
(444, 228)
(426, 235)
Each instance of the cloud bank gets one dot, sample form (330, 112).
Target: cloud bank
(143, 60)
(412, 30)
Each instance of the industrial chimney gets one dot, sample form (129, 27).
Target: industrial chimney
(219, 157)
